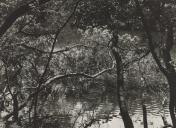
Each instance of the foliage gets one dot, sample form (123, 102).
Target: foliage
(32, 53)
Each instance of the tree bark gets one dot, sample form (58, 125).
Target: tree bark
(35, 122)
(15, 108)
(172, 102)
(144, 116)
(120, 94)
(168, 70)
(120, 84)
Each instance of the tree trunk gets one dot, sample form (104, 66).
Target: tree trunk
(15, 108)
(120, 86)
(168, 70)
(124, 112)
(121, 98)
(144, 115)
(172, 103)
(35, 122)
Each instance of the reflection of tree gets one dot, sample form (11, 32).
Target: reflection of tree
(97, 112)
(39, 73)
(165, 63)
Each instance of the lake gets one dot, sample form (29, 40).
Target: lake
(93, 110)
(98, 109)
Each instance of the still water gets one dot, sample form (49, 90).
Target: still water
(95, 111)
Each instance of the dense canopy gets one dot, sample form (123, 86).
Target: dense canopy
(63, 63)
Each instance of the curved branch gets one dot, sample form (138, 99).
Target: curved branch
(23, 9)
(58, 77)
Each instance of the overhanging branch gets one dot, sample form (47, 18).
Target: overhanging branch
(23, 9)
(58, 77)
(55, 78)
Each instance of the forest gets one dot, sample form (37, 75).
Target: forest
(87, 64)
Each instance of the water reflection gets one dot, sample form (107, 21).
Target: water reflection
(99, 110)
(103, 112)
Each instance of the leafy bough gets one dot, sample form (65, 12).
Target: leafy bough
(54, 79)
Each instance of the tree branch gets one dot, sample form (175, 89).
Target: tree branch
(58, 77)
(16, 14)
(37, 34)
(55, 78)
(55, 52)
(136, 59)
(41, 86)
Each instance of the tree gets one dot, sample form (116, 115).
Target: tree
(23, 65)
(157, 16)
(29, 36)
(165, 27)
(32, 64)
(120, 83)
